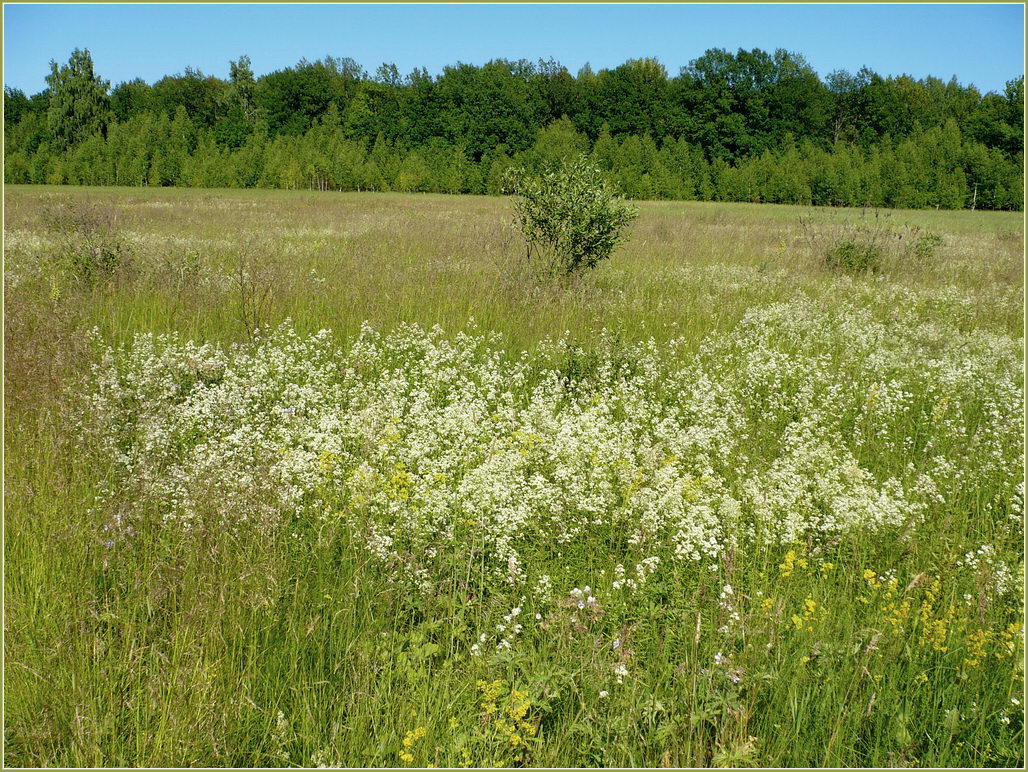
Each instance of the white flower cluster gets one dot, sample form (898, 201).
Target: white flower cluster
(801, 421)
(431, 444)
(506, 632)
(620, 671)
(642, 571)
(726, 602)
(990, 569)
(583, 598)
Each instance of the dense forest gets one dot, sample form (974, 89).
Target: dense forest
(749, 126)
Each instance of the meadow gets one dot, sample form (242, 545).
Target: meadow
(324, 479)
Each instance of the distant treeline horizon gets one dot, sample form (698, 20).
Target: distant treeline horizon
(748, 126)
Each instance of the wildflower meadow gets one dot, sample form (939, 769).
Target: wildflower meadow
(315, 480)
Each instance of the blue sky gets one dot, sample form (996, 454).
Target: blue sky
(981, 44)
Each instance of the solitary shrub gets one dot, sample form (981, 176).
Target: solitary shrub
(924, 246)
(254, 280)
(853, 256)
(570, 216)
(869, 244)
(89, 243)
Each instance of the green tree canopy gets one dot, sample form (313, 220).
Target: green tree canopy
(79, 103)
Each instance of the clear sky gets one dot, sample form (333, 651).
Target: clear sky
(981, 44)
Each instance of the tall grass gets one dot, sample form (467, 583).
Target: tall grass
(715, 355)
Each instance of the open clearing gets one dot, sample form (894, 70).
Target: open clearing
(711, 504)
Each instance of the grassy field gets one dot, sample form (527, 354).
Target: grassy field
(712, 504)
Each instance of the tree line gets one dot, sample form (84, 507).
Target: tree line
(749, 126)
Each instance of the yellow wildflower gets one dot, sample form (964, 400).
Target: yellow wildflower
(934, 630)
(896, 615)
(789, 563)
(413, 736)
(976, 644)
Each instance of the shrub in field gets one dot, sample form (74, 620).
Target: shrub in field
(570, 216)
(89, 244)
(868, 245)
(924, 245)
(253, 282)
(852, 256)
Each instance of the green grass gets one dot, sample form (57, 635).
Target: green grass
(288, 642)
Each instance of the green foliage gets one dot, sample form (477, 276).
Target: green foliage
(849, 247)
(79, 104)
(16, 106)
(134, 97)
(293, 98)
(202, 97)
(89, 243)
(868, 244)
(925, 245)
(744, 126)
(556, 143)
(853, 256)
(570, 216)
(243, 86)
